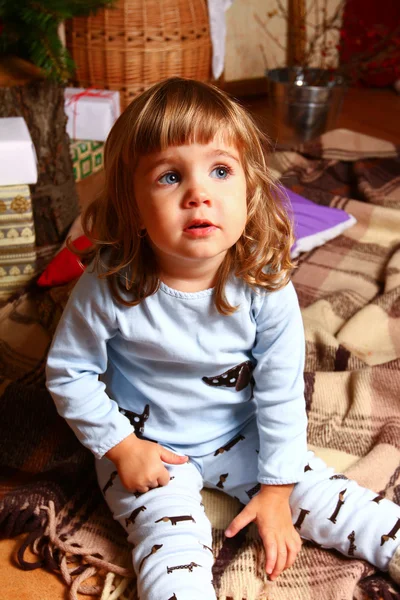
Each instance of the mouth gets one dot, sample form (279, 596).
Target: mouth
(199, 224)
(199, 228)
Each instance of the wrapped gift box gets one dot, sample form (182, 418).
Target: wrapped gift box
(87, 158)
(18, 162)
(91, 113)
(17, 239)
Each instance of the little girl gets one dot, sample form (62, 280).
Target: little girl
(179, 358)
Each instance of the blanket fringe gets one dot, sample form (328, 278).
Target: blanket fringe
(92, 565)
(89, 557)
(113, 591)
(75, 564)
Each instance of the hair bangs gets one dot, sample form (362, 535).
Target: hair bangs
(178, 114)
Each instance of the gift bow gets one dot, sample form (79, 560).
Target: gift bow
(91, 93)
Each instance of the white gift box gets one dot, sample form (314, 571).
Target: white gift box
(18, 161)
(91, 113)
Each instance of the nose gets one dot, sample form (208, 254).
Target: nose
(195, 196)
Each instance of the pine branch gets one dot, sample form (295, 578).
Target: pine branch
(30, 30)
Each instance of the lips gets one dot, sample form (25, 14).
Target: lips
(199, 224)
(200, 228)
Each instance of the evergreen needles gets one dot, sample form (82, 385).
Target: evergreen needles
(29, 29)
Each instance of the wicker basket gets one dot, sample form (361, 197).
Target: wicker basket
(140, 42)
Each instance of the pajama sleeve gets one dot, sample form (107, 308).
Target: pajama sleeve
(78, 355)
(279, 387)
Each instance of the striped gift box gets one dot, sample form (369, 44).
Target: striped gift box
(17, 239)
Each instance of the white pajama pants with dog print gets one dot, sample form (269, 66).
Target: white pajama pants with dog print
(171, 535)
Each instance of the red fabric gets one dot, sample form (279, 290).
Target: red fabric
(364, 23)
(65, 266)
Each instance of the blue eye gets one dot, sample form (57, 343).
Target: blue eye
(169, 178)
(220, 172)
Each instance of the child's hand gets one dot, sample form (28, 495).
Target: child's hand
(270, 510)
(139, 463)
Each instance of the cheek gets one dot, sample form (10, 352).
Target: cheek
(159, 222)
(150, 211)
(160, 214)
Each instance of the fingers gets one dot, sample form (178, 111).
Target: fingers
(159, 479)
(142, 489)
(271, 551)
(280, 555)
(144, 485)
(280, 562)
(243, 518)
(164, 477)
(153, 472)
(171, 458)
(291, 557)
(293, 549)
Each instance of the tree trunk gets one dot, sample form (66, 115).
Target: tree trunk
(54, 196)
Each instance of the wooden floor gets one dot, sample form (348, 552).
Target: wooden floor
(375, 112)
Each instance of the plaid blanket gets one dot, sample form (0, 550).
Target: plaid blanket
(349, 290)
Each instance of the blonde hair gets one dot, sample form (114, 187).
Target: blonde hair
(171, 113)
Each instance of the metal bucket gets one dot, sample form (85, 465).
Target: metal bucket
(304, 103)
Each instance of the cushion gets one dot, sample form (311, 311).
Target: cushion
(314, 224)
(65, 266)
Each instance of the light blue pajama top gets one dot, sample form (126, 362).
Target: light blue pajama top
(187, 365)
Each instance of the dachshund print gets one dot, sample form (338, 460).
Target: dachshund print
(175, 520)
(254, 490)
(392, 533)
(238, 377)
(154, 549)
(339, 505)
(137, 420)
(222, 479)
(189, 567)
(229, 445)
(377, 499)
(300, 518)
(110, 481)
(351, 537)
(206, 547)
(132, 518)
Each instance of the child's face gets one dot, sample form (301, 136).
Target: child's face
(192, 202)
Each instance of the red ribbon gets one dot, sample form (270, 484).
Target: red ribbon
(90, 93)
